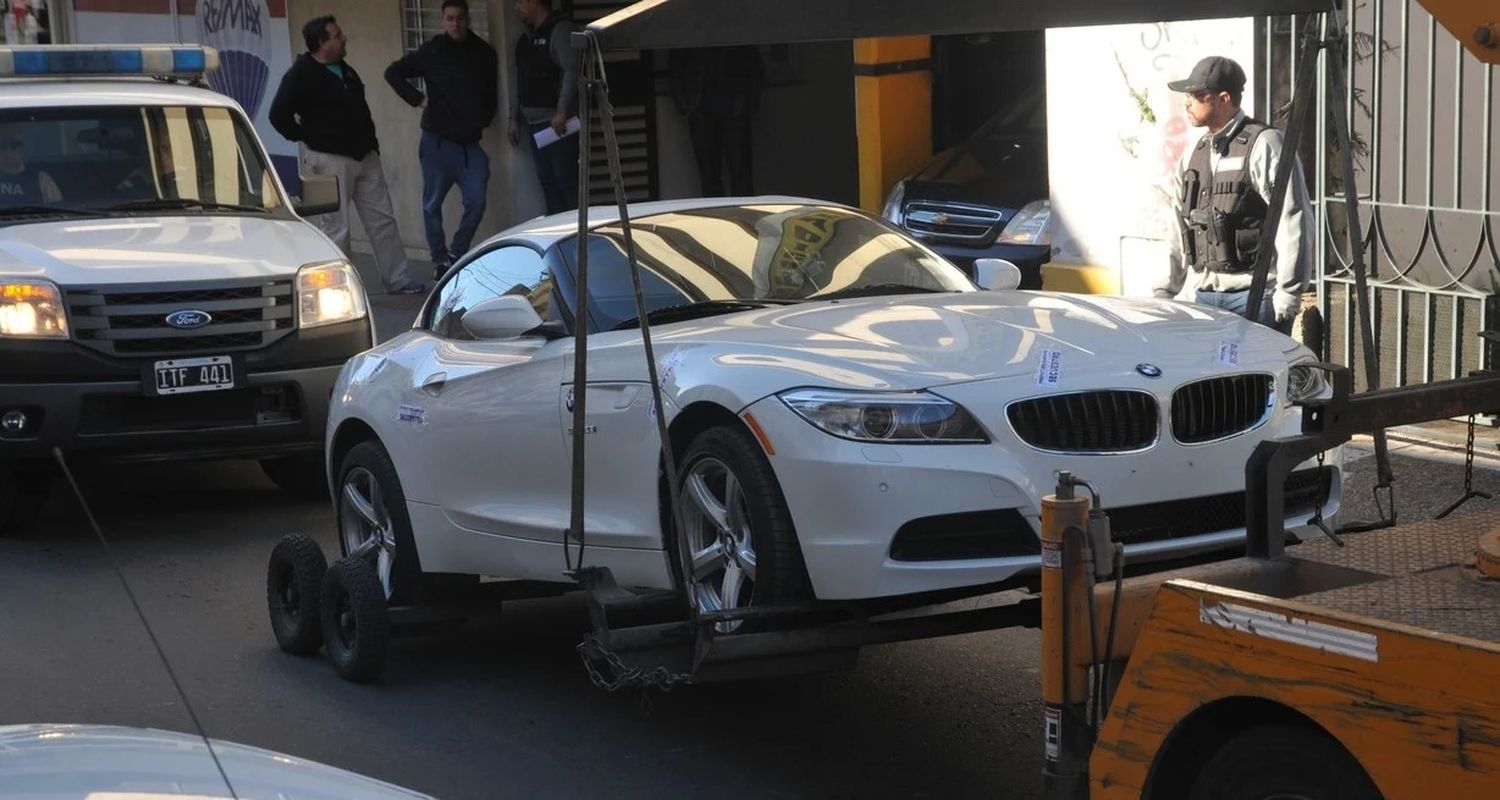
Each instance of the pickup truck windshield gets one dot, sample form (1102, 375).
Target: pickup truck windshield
(132, 159)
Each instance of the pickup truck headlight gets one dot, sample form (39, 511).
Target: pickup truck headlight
(1031, 225)
(886, 417)
(329, 293)
(32, 309)
(894, 204)
(1305, 382)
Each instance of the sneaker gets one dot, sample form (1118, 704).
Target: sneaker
(411, 287)
(440, 268)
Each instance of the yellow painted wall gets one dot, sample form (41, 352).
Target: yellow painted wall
(893, 115)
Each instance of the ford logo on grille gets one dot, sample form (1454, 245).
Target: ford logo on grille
(1149, 370)
(189, 318)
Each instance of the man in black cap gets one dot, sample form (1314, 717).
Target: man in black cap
(1224, 186)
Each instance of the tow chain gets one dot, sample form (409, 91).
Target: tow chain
(601, 662)
(1319, 501)
(1469, 491)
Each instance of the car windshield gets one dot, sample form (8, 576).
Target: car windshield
(108, 159)
(760, 254)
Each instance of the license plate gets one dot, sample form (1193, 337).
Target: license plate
(184, 375)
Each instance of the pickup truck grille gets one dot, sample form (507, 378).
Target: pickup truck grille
(951, 221)
(132, 321)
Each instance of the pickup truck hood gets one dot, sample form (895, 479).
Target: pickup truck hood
(154, 249)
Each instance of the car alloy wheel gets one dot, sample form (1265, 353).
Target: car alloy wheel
(365, 523)
(715, 520)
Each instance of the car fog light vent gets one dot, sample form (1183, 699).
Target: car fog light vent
(975, 534)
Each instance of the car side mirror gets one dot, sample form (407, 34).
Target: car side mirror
(996, 274)
(320, 195)
(505, 317)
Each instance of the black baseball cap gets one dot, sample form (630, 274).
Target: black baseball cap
(1212, 74)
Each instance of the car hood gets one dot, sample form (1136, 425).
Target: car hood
(994, 170)
(123, 250)
(72, 761)
(921, 341)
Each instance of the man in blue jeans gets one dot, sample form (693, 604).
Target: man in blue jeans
(545, 96)
(460, 70)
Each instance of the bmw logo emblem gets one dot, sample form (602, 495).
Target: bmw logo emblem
(189, 318)
(1149, 370)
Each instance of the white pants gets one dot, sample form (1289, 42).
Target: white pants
(362, 184)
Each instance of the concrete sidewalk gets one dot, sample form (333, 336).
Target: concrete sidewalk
(393, 313)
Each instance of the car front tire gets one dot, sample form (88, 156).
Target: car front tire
(372, 518)
(739, 547)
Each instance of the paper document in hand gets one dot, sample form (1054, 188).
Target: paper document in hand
(547, 136)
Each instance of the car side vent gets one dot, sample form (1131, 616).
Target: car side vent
(1217, 408)
(1111, 421)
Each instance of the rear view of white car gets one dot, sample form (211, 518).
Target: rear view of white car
(852, 417)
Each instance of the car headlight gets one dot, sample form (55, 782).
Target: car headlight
(32, 309)
(894, 203)
(1307, 382)
(886, 418)
(1031, 225)
(328, 293)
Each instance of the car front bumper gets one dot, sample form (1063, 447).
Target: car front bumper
(849, 500)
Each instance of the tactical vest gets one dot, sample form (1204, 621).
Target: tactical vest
(538, 77)
(1222, 213)
(23, 188)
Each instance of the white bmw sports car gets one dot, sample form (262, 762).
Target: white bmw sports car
(852, 417)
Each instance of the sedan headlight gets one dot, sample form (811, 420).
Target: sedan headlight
(1307, 382)
(329, 293)
(1031, 225)
(886, 418)
(32, 309)
(894, 204)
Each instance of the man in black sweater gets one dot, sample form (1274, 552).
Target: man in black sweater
(461, 71)
(321, 103)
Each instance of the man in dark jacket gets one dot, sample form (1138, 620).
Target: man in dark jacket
(321, 103)
(461, 71)
(545, 96)
(718, 90)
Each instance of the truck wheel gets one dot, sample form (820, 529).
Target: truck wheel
(356, 630)
(742, 547)
(294, 584)
(1272, 762)
(301, 476)
(23, 495)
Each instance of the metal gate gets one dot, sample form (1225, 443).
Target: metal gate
(1422, 114)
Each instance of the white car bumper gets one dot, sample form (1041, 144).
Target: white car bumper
(850, 500)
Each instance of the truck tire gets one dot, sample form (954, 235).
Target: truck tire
(23, 495)
(302, 476)
(294, 586)
(1282, 761)
(356, 629)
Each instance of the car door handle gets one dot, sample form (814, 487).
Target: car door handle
(433, 384)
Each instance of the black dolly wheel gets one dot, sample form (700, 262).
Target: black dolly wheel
(294, 583)
(1283, 762)
(356, 629)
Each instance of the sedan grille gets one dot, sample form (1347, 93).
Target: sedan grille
(1114, 421)
(133, 321)
(1218, 408)
(950, 221)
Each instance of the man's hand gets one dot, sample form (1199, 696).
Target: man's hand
(515, 133)
(1286, 305)
(560, 122)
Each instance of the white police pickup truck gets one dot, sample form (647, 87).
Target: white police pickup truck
(160, 295)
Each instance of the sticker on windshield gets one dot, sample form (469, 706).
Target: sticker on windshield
(1049, 371)
(1229, 353)
(416, 415)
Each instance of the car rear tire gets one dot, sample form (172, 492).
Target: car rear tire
(738, 547)
(356, 630)
(303, 476)
(294, 585)
(372, 509)
(23, 495)
(1282, 762)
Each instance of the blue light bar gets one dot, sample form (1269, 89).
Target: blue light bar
(82, 60)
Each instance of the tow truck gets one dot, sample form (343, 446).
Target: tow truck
(160, 295)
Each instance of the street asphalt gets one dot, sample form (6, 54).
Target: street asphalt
(500, 708)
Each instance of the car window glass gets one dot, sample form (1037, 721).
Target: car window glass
(505, 270)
